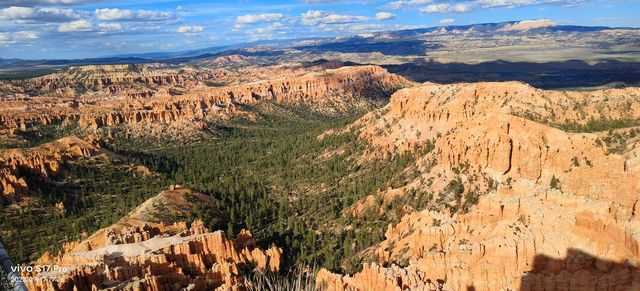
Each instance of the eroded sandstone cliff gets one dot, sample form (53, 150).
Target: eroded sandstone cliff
(145, 252)
(556, 209)
(333, 89)
(40, 162)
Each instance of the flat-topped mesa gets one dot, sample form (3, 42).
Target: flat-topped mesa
(136, 253)
(41, 162)
(562, 208)
(334, 86)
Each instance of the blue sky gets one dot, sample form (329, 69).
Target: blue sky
(55, 29)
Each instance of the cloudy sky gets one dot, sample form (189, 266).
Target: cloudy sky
(54, 29)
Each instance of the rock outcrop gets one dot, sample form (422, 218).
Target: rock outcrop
(143, 252)
(334, 88)
(39, 162)
(116, 79)
(557, 209)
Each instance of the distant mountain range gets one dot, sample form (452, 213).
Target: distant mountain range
(401, 43)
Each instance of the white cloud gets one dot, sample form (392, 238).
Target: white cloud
(78, 25)
(315, 17)
(108, 14)
(190, 29)
(110, 26)
(446, 21)
(258, 18)
(444, 8)
(47, 14)
(12, 13)
(385, 16)
(58, 13)
(12, 38)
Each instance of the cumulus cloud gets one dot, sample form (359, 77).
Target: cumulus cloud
(190, 29)
(444, 8)
(51, 13)
(446, 21)
(13, 13)
(258, 18)
(35, 15)
(78, 25)
(385, 16)
(110, 14)
(315, 17)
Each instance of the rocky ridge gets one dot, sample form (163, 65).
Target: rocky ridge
(144, 251)
(40, 162)
(335, 87)
(555, 210)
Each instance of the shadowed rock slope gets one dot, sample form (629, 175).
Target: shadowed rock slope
(40, 162)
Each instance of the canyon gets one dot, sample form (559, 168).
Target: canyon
(556, 210)
(331, 89)
(520, 188)
(40, 162)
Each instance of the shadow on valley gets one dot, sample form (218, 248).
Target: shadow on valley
(400, 48)
(580, 271)
(551, 75)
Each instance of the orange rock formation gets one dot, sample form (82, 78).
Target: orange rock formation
(138, 253)
(577, 233)
(323, 87)
(40, 162)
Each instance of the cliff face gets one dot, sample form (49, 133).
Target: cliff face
(143, 251)
(117, 79)
(321, 88)
(39, 162)
(556, 210)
